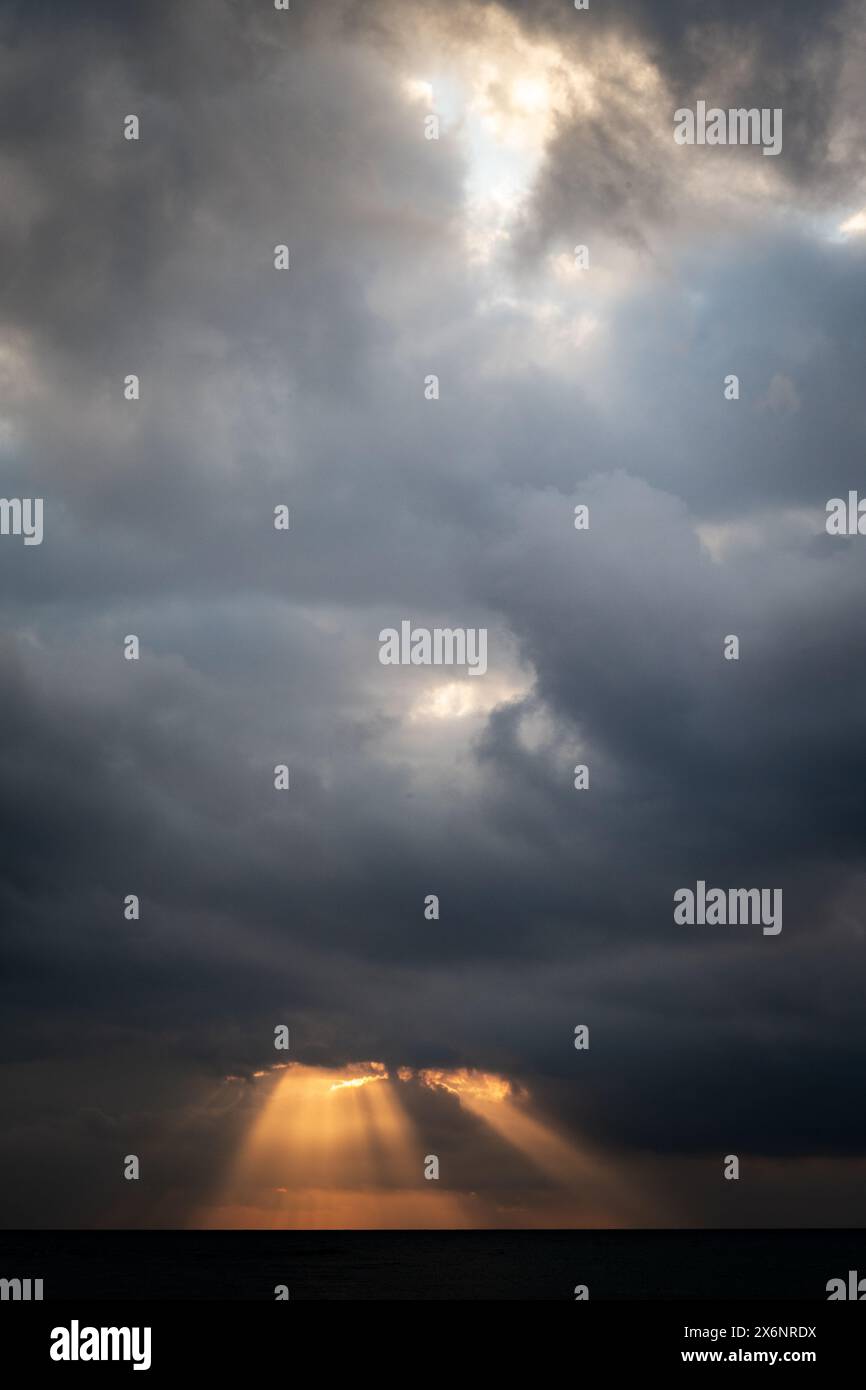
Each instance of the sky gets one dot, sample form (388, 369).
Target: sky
(560, 385)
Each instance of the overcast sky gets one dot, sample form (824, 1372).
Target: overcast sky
(557, 386)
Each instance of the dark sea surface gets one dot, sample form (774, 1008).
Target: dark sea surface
(433, 1264)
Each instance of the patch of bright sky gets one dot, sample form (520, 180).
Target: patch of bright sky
(500, 98)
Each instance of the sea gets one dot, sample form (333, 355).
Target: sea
(426, 1265)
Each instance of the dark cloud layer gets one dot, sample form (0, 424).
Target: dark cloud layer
(259, 648)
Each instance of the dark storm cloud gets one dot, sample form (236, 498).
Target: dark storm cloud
(260, 648)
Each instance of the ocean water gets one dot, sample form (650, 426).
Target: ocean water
(425, 1265)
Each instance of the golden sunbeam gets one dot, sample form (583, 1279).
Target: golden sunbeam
(600, 1196)
(331, 1150)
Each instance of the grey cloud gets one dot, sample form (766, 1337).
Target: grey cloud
(261, 648)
